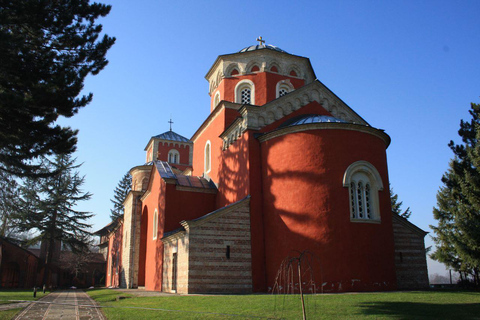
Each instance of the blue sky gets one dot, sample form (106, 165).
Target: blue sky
(409, 67)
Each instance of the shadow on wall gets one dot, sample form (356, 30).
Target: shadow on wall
(158, 244)
(233, 166)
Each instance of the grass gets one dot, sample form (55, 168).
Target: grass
(390, 305)
(19, 294)
(16, 294)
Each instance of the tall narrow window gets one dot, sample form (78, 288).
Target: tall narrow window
(245, 92)
(364, 182)
(155, 224)
(227, 252)
(174, 271)
(216, 100)
(173, 156)
(208, 157)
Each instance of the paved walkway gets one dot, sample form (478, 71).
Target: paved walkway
(63, 304)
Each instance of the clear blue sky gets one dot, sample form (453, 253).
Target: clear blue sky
(409, 67)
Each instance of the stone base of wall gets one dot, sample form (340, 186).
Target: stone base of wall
(410, 255)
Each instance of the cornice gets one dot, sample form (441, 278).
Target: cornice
(257, 117)
(187, 224)
(326, 126)
(213, 115)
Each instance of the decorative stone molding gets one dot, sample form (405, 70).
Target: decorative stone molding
(264, 59)
(257, 117)
(326, 126)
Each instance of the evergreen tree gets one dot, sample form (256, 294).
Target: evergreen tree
(48, 47)
(9, 204)
(121, 191)
(396, 205)
(49, 208)
(457, 236)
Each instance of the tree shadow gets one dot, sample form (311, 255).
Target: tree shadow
(418, 310)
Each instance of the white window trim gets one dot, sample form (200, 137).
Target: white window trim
(283, 84)
(174, 152)
(216, 99)
(209, 155)
(242, 85)
(155, 224)
(376, 185)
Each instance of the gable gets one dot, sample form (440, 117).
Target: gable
(259, 117)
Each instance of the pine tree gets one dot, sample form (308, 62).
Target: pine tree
(49, 208)
(9, 204)
(48, 47)
(457, 236)
(396, 205)
(121, 191)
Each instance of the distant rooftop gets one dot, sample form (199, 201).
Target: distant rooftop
(172, 136)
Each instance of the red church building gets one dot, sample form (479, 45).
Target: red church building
(281, 165)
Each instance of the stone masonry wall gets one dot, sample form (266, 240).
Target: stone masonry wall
(410, 256)
(178, 245)
(131, 240)
(210, 269)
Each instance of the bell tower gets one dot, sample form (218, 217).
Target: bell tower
(257, 75)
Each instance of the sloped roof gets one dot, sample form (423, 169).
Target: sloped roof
(109, 227)
(172, 136)
(310, 118)
(262, 46)
(166, 171)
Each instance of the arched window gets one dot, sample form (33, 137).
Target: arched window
(216, 100)
(155, 224)
(234, 72)
(245, 92)
(274, 69)
(173, 156)
(208, 157)
(284, 87)
(363, 182)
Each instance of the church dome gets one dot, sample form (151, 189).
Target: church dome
(262, 46)
(309, 118)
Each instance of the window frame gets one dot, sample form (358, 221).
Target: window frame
(241, 85)
(358, 176)
(207, 157)
(174, 152)
(155, 224)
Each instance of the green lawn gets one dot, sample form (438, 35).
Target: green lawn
(391, 305)
(16, 294)
(19, 294)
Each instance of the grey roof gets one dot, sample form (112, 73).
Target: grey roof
(164, 169)
(172, 136)
(309, 118)
(263, 46)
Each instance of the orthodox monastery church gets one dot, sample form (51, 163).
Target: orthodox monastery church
(281, 165)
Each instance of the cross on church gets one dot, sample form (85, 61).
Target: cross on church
(260, 40)
(170, 121)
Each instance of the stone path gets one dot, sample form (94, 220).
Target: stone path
(63, 304)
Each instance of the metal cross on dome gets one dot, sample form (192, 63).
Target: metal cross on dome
(260, 40)
(170, 121)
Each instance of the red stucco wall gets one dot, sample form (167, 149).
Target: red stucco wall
(113, 263)
(173, 206)
(306, 207)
